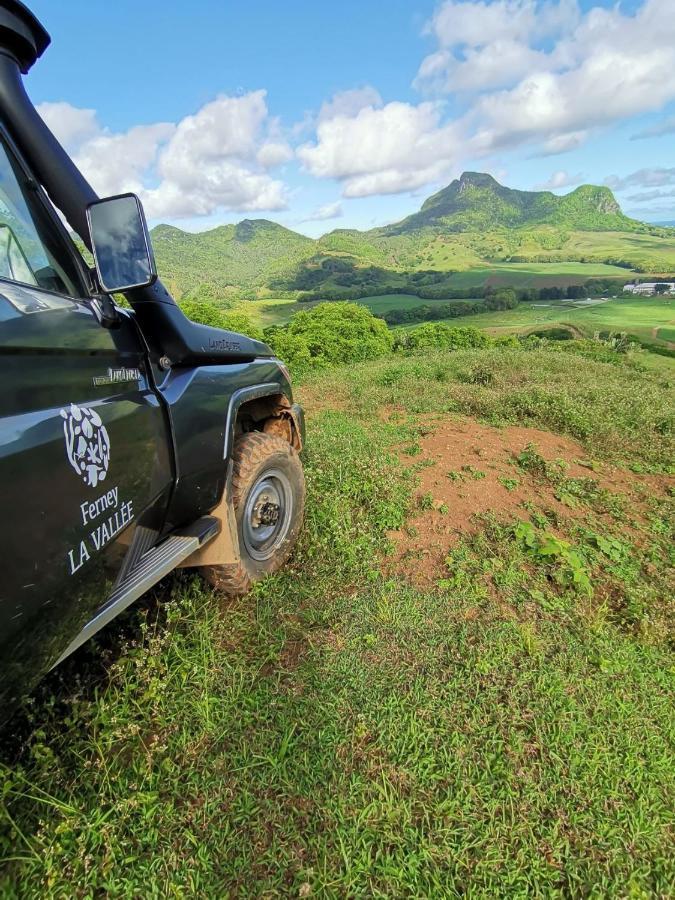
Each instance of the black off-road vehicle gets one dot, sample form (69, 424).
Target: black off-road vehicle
(131, 441)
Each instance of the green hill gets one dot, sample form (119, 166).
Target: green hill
(474, 225)
(242, 257)
(476, 201)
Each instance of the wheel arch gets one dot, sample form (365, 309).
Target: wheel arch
(263, 407)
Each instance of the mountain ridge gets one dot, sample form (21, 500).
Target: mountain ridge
(470, 222)
(477, 200)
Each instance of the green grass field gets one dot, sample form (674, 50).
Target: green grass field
(558, 274)
(506, 731)
(649, 318)
(643, 317)
(277, 312)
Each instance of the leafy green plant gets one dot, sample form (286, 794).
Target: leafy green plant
(330, 334)
(566, 564)
(208, 313)
(440, 335)
(473, 472)
(412, 450)
(426, 501)
(530, 460)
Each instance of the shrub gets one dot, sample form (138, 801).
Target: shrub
(507, 342)
(331, 333)
(206, 313)
(442, 336)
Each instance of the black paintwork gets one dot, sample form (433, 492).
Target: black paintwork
(65, 537)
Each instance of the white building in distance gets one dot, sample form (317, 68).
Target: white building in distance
(648, 288)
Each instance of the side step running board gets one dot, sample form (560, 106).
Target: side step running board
(151, 568)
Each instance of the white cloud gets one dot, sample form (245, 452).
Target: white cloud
(642, 178)
(647, 196)
(115, 163)
(488, 45)
(396, 148)
(563, 74)
(562, 143)
(350, 103)
(218, 159)
(500, 63)
(274, 153)
(71, 125)
(325, 212)
(560, 179)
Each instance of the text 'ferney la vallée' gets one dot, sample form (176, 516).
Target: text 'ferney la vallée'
(121, 514)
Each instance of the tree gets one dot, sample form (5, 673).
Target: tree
(230, 319)
(331, 333)
(505, 298)
(440, 335)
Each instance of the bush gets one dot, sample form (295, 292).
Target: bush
(442, 336)
(329, 334)
(206, 313)
(430, 313)
(505, 298)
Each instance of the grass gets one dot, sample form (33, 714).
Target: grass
(642, 317)
(647, 318)
(533, 274)
(278, 312)
(340, 732)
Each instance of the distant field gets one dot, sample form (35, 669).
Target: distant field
(650, 319)
(643, 249)
(647, 318)
(558, 274)
(276, 312)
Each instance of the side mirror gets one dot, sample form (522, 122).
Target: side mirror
(121, 244)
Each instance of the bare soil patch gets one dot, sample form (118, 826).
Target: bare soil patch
(471, 471)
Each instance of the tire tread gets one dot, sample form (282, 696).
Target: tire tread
(251, 450)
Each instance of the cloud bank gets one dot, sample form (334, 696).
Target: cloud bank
(543, 76)
(219, 159)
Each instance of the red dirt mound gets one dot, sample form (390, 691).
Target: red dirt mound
(461, 481)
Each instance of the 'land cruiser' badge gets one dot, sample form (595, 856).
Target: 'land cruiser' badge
(87, 443)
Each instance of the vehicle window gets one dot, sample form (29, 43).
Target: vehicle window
(31, 249)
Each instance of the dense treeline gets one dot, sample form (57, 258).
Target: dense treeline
(504, 299)
(592, 287)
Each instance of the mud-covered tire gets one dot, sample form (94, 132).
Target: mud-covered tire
(267, 473)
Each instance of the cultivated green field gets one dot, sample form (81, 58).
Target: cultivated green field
(506, 730)
(277, 312)
(643, 317)
(649, 318)
(558, 274)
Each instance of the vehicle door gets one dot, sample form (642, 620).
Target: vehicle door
(85, 460)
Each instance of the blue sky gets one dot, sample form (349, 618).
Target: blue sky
(348, 115)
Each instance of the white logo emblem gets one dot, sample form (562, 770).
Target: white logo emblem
(87, 443)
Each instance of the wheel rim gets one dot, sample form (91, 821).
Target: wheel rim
(267, 515)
